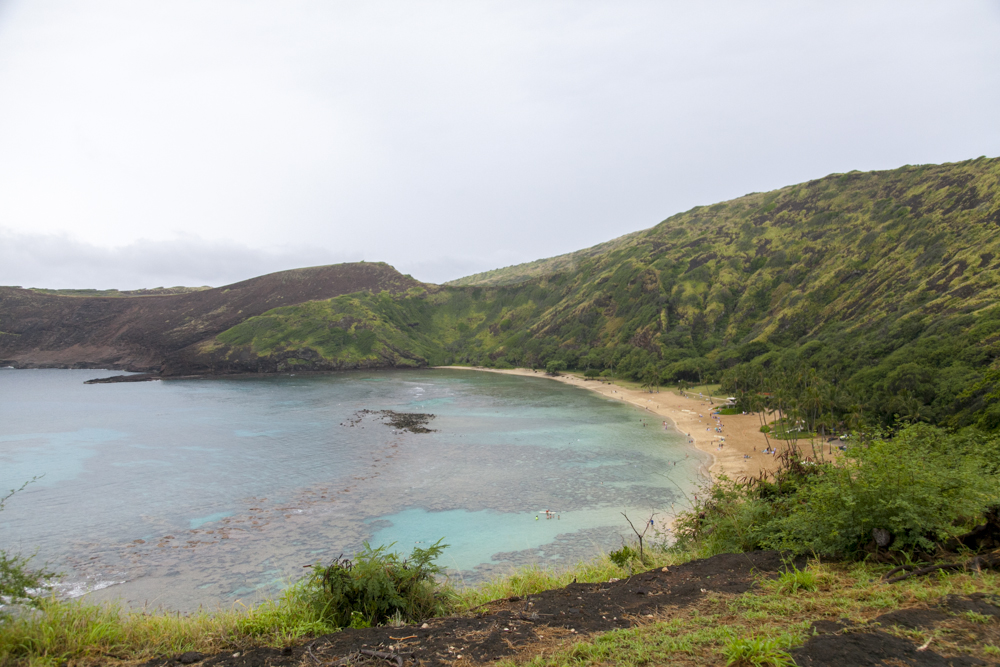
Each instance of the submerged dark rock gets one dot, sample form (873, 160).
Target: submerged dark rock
(141, 377)
(414, 422)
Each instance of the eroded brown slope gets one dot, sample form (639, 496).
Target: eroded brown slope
(136, 333)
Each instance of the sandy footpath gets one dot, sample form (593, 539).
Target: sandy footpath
(690, 416)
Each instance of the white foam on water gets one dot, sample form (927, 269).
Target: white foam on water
(68, 590)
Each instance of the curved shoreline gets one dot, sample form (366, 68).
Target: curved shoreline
(691, 417)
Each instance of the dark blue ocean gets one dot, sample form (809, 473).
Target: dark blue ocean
(205, 492)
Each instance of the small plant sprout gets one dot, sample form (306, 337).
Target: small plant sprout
(756, 652)
(358, 621)
(976, 617)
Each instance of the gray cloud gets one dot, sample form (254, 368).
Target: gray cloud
(447, 137)
(57, 261)
(60, 261)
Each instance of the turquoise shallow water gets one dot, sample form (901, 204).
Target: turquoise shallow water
(201, 492)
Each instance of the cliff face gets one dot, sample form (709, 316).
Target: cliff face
(138, 333)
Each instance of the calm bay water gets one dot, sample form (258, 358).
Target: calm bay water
(202, 492)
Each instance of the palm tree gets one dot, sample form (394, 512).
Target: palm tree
(855, 420)
(758, 406)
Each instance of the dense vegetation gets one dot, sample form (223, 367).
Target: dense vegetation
(881, 288)
(918, 489)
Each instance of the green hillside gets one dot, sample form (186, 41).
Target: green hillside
(519, 273)
(878, 291)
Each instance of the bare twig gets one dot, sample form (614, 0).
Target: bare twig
(641, 535)
(385, 655)
(977, 564)
(900, 568)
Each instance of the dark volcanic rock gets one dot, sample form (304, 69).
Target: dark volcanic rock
(140, 377)
(507, 625)
(912, 618)
(149, 333)
(860, 649)
(414, 422)
(980, 603)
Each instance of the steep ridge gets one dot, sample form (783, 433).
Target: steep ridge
(881, 289)
(139, 332)
(884, 283)
(520, 273)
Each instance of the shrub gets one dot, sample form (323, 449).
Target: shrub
(914, 485)
(555, 367)
(19, 582)
(921, 487)
(731, 517)
(626, 555)
(376, 587)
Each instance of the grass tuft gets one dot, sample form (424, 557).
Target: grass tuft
(756, 652)
(795, 580)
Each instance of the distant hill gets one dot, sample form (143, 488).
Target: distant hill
(520, 273)
(139, 331)
(153, 291)
(884, 284)
(878, 290)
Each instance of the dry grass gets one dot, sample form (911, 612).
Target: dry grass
(776, 617)
(779, 616)
(534, 579)
(77, 633)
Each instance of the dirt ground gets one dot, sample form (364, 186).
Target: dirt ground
(839, 644)
(523, 626)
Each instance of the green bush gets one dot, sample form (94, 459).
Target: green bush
(376, 587)
(914, 485)
(922, 486)
(731, 517)
(626, 555)
(555, 367)
(18, 581)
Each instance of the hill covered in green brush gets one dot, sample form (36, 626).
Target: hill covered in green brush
(880, 289)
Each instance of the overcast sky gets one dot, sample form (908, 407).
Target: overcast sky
(148, 143)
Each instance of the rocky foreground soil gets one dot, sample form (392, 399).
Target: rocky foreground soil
(523, 626)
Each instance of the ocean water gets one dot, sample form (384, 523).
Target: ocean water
(218, 491)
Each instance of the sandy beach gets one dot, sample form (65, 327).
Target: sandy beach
(738, 455)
